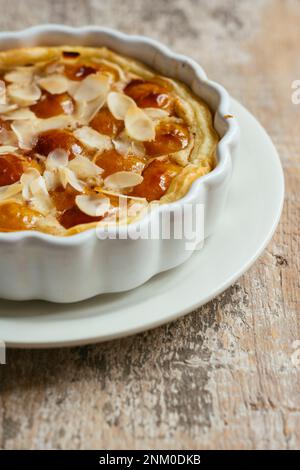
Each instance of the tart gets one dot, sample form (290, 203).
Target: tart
(89, 137)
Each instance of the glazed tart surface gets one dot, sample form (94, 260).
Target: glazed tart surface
(90, 137)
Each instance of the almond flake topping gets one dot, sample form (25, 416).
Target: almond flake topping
(56, 122)
(92, 138)
(123, 196)
(25, 131)
(76, 172)
(93, 86)
(58, 158)
(126, 146)
(24, 94)
(38, 187)
(54, 67)
(84, 168)
(20, 75)
(67, 176)
(7, 149)
(122, 180)
(26, 179)
(6, 108)
(57, 163)
(2, 92)
(156, 113)
(138, 125)
(6, 192)
(52, 180)
(19, 114)
(113, 66)
(23, 86)
(34, 191)
(119, 104)
(86, 110)
(54, 84)
(94, 206)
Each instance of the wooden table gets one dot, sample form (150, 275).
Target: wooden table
(223, 376)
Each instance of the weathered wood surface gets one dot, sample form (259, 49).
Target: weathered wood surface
(223, 376)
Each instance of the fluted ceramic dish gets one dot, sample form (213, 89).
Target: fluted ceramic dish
(35, 265)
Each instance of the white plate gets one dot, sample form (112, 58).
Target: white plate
(252, 213)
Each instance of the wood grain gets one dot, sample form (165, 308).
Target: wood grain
(223, 376)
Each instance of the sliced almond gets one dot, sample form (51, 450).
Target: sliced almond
(19, 114)
(156, 113)
(94, 206)
(119, 104)
(7, 149)
(52, 180)
(8, 137)
(2, 92)
(92, 87)
(6, 108)
(56, 122)
(84, 168)
(138, 125)
(24, 94)
(54, 84)
(73, 87)
(112, 65)
(67, 176)
(6, 192)
(58, 158)
(126, 146)
(39, 157)
(122, 180)
(29, 175)
(85, 111)
(25, 131)
(123, 196)
(38, 186)
(20, 75)
(42, 203)
(92, 138)
(54, 67)
(36, 192)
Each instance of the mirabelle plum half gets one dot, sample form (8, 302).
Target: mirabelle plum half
(105, 123)
(53, 105)
(79, 71)
(148, 94)
(111, 162)
(58, 138)
(14, 216)
(157, 179)
(74, 216)
(68, 213)
(170, 137)
(11, 169)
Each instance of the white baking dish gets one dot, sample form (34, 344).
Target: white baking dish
(35, 265)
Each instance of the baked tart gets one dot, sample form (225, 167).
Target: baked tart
(90, 137)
